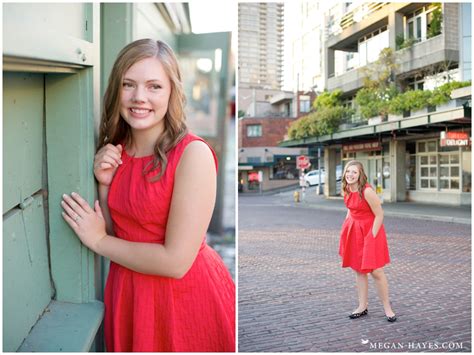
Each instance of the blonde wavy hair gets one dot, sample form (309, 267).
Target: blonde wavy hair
(362, 178)
(113, 128)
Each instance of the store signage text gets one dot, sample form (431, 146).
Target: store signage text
(454, 139)
(364, 146)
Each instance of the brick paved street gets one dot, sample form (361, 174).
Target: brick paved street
(294, 296)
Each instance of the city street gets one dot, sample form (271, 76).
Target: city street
(294, 296)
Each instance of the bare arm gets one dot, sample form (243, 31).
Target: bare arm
(106, 162)
(189, 216)
(374, 203)
(103, 194)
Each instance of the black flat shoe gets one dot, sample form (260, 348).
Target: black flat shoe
(359, 314)
(391, 319)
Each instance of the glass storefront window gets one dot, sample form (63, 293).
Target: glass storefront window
(443, 172)
(444, 159)
(410, 166)
(466, 169)
(455, 184)
(285, 169)
(449, 170)
(428, 168)
(455, 171)
(412, 173)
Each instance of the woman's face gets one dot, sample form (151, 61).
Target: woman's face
(145, 94)
(352, 174)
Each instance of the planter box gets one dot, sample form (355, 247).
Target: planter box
(345, 126)
(374, 120)
(447, 106)
(392, 117)
(419, 112)
(461, 92)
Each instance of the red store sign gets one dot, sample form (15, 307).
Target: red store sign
(454, 139)
(360, 147)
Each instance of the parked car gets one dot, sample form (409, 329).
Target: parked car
(338, 173)
(312, 177)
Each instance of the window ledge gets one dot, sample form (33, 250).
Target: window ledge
(70, 327)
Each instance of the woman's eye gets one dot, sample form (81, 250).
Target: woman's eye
(127, 85)
(156, 87)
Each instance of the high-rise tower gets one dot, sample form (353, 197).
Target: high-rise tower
(261, 45)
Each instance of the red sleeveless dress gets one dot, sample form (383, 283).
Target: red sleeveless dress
(358, 247)
(150, 313)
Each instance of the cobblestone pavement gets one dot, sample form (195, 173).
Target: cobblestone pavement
(294, 296)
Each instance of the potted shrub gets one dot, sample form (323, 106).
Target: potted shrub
(369, 104)
(417, 101)
(441, 97)
(397, 107)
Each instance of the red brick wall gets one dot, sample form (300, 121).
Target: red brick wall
(273, 131)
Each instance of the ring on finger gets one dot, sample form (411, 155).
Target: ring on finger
(76, 218)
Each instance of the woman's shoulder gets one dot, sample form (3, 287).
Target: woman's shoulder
(367, 186)
(368, 190)
(194, 146)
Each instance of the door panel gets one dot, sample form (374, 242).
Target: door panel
(27, 288)
(23, 96)
(26, 283)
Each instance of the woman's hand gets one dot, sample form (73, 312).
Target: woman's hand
(88, 224)
(374, 203)
(106, 162)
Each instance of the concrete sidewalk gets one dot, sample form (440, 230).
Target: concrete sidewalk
(442, 213)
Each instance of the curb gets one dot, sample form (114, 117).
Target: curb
(448, 219)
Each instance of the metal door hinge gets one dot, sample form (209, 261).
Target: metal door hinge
(26, 203)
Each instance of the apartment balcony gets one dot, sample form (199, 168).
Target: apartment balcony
(426, 53)
(421, 55)
(348, 82)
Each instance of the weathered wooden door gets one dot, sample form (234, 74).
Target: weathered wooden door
(26, 275)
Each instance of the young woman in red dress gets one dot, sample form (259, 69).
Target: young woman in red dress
(363, 243)
(167, 290)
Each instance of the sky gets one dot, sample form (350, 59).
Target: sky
(214, 16)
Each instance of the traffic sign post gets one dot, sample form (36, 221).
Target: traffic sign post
(302, 163)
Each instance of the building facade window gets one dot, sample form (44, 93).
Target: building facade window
(416, 83)
(285, 169)
(442, 168)
(371, 45)
(254, 130)
(305, 104)
(418, 23)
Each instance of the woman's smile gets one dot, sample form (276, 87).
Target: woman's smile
(137, 112)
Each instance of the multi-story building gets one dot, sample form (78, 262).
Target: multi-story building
(409, 157)
(260, 45)
(263, 165)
